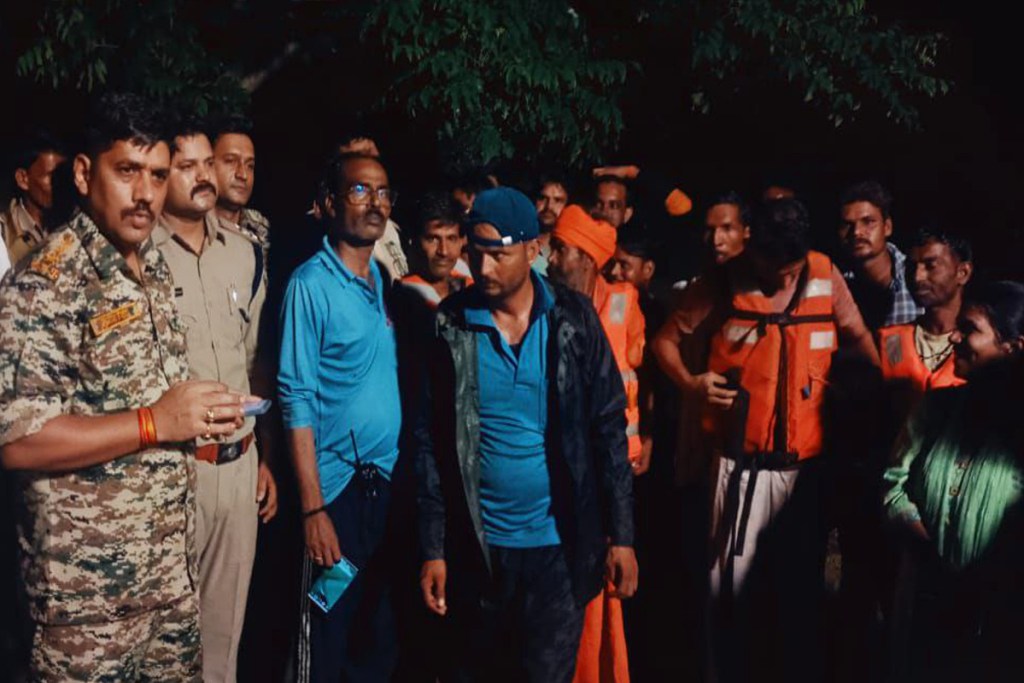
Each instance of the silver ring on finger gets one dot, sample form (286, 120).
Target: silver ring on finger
(209, 415)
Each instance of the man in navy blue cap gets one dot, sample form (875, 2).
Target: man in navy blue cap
(525, 490)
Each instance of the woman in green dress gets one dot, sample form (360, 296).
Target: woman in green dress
(954, 494)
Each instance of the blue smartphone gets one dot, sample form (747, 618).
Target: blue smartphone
(254, 408)
(332, 584)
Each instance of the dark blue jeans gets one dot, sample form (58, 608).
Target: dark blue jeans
(356, 640)
(528, 626)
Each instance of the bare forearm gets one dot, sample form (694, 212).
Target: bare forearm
(71, 442)
(666, 351)
(864, 345)
(303, 450)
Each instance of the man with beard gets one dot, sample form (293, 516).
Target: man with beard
(525, 491)
(552, 197)
(99, 418)
(24, 223)
(918, 356)
(338, 387)
(580, 247)
(876, 272)
(212, 269)
(727, 227)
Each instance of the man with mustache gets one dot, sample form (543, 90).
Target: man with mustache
(437, 246)
(24, 224)
(99, 417)
(525, 499)
(552, 197)
(234, 170)
(214, 269)
(918, 356)
(338, 388)
(876, 272)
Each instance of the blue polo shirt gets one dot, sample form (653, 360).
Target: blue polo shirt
(338, 371)
(515, 487)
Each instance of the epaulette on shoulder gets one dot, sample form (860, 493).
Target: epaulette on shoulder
(50, 257)
(256, 218)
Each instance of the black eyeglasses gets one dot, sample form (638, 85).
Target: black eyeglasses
(359, 194)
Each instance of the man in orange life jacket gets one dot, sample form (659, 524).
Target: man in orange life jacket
(437, 243)
(917, 357)
(787, 311)
(580, 247)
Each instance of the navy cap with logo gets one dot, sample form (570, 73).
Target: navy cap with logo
(511, 213)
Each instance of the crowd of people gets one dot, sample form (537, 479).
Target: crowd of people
(504, 420)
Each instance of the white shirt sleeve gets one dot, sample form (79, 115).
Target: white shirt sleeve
(5, 261)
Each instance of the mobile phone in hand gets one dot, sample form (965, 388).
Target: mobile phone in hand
(254, 408)
(332, 584)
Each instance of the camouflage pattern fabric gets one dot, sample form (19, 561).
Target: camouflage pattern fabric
(256, 227)
(79, 335)
(159, 645)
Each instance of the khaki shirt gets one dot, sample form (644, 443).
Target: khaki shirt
(387, 251)
(255, 227)
(214, 293)
(81, 335)
(20, 231)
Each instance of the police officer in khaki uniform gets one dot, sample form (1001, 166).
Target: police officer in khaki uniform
(22, 224)
(234, 170)
(219, 294)
(97, 416)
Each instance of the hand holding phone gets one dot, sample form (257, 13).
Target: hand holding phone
(254, 408)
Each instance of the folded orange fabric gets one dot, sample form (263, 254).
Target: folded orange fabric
(602, 656)
(596, 238)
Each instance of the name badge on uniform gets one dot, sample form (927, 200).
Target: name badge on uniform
(104, 322)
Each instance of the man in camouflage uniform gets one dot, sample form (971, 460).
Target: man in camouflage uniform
(23, 224)
(89, 342)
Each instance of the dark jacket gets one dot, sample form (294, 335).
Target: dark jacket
(591, 480)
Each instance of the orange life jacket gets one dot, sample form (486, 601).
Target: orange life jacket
(901, 363)
(783, 361)
(429, 294)
(621, 302)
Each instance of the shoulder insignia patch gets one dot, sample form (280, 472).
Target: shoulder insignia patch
(104, 322)
(47, 262)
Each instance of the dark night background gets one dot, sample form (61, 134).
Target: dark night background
(962, 168)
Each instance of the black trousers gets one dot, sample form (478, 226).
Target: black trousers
(528, 625)
(356, 640)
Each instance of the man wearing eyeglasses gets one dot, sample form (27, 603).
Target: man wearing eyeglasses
(338, 389)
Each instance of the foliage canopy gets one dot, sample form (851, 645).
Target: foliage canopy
(494, 79)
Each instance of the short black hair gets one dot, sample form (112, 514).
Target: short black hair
(780, 231)
(123, 116)
(228, 124)
(608, 178)
(437, 206)
(870, 191)
(635, 239)
(473, 182)
(553, 177)
(32, 146)
(335, 165)
(185, 125)
(1003, 304)
(960, 246)
(735, 199)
